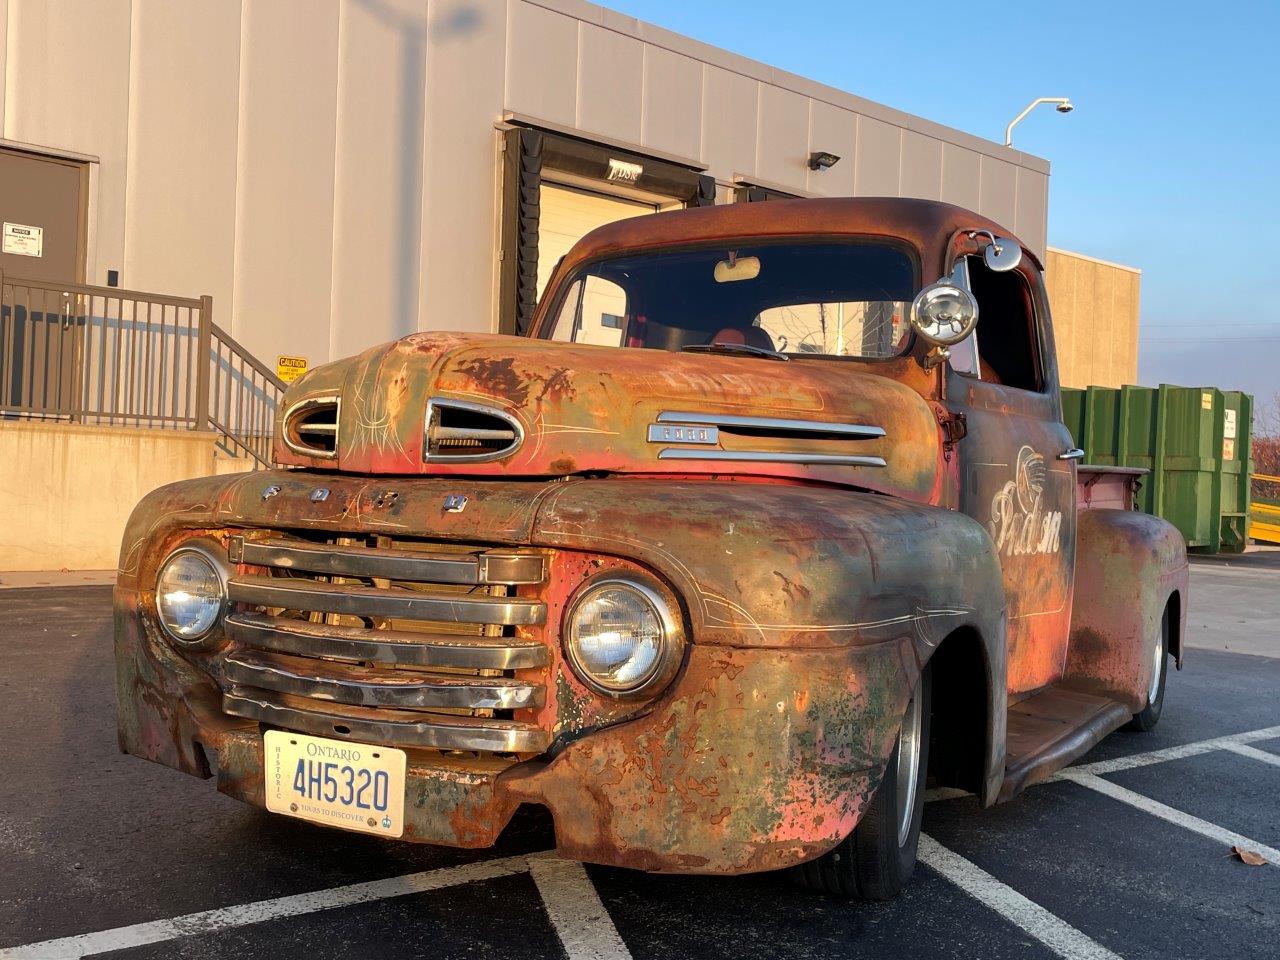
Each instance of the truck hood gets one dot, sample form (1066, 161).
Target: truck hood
(575, 409)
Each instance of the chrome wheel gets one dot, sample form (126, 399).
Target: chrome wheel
(908, 767)
(1157, 661)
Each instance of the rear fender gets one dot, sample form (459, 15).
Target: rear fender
(1129, 566)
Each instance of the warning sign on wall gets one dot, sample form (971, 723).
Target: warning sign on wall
(290, 369)
(23, 240)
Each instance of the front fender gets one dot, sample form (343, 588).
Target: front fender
(764, 565)
(772, 565)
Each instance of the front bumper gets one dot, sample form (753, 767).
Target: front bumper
(754, 759)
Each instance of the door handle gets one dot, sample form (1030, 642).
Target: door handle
(1075, 453)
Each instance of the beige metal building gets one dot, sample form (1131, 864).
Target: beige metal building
(340, 172)
(1095, 318)
(336, 173)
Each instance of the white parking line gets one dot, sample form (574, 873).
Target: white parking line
(1165, 812)
(224, 918)
(1175, 753)
(1253, 753)
(1056, 934)
(588, 933)
(583, 924)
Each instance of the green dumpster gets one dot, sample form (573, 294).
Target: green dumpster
(1196, 441)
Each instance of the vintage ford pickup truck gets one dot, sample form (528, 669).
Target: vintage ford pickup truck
(757, 533)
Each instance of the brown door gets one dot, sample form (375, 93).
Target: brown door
(42, 204)
(43, 213)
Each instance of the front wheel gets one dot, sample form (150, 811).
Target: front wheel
(1150, 714)
(877, 859)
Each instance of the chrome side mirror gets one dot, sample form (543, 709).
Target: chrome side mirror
(1001, 254)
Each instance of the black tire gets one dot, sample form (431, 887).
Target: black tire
(1150, 715)
(870, 863)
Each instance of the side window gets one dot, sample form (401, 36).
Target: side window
(1005, 340)
(594, 311)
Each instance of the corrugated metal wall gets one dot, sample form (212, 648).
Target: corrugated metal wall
(328, 170)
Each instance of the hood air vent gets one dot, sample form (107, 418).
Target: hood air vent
(462, 432)
(311, 427)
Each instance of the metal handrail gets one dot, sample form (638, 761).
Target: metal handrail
(105, 355)
(253, 361)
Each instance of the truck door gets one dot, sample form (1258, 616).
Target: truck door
(1013, 475)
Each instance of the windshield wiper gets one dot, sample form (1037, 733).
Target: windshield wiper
(742, 348)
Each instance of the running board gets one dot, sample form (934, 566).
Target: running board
(1050, 729)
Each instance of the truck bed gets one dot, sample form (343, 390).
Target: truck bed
(1102, 487)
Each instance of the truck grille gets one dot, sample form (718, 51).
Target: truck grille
(411, 644)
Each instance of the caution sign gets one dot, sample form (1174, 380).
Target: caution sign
(290, 369)
(23, 240)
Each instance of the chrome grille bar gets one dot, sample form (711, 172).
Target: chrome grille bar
(375, 602)
(374, 686)
(401, 647)
(463, 568)
(385, 725)
(765, 456)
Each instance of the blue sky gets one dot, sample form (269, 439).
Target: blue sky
(1170, 162)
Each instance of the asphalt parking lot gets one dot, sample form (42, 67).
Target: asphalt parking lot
(1127, 855)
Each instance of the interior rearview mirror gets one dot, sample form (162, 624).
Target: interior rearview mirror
(737, 268)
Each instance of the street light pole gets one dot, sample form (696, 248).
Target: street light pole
(1064, 106)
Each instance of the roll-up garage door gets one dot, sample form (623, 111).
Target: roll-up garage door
(568, 213)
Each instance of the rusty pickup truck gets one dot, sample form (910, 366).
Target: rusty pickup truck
(770, 522)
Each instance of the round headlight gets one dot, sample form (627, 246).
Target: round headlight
(944, 313)
(189, 595)
(622, 637)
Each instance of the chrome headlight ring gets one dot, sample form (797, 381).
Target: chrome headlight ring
(623, 635)
(191, 593)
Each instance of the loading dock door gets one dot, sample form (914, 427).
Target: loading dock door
(568, 214)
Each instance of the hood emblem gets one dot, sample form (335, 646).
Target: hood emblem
(319, 494)
(270, 492)
(683, 433)
(455, 503)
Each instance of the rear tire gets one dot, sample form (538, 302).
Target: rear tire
(877, 859)
(1150, 714)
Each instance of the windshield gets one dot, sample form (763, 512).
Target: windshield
(803, 299)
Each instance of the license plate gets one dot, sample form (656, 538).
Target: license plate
(356, 786)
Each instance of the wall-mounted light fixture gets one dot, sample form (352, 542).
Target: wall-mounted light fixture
(821, 160)
(1063, 105)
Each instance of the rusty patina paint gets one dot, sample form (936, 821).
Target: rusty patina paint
(1128, 567)
(813, 595)
(757, 760)
(587, 409)
(837, 659)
